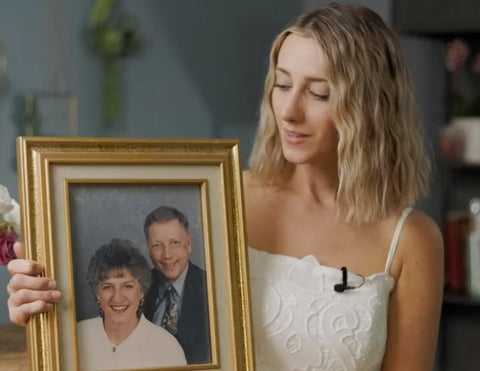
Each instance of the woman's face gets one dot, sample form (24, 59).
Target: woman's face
(119, 296)
(301, 102)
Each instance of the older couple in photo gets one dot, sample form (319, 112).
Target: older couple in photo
(148, 318)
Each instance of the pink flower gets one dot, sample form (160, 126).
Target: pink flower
(7, 240)
(456, 55)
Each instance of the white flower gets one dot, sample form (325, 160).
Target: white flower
(5, 200)
(13, 217)
(9, 210)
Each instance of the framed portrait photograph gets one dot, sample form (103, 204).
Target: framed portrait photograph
(146, 240)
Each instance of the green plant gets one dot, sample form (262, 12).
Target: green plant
(113, 35)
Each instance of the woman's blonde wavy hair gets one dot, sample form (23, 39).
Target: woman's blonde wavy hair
(382, 162)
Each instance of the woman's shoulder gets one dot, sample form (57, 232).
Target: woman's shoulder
(89, 327)
(252, 188)
(156, 335)
(258, 193)
(421, 240)
(421, 229)
(250, 180)
(157, 331)
(256, 187)
(262, 203)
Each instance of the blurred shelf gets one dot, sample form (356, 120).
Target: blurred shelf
(437, 18)
(453, 164)
(461, 300)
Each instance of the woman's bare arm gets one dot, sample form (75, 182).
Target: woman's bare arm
(415, 303)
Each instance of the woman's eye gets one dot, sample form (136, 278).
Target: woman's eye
(323, 97)
(282, 87)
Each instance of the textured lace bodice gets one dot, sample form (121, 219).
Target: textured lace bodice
(300, 323)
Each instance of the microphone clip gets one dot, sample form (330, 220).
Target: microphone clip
(341, 287)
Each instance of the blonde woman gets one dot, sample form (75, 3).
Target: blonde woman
(344, 274)
(337, 160)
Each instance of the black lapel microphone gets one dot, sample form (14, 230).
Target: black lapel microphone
(341, 287)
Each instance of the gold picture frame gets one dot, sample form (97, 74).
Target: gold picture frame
(53, 171)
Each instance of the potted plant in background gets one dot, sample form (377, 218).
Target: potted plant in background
(113, 35)
(461, 139)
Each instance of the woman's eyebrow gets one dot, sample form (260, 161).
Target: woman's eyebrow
(282, 70)
(308, 78)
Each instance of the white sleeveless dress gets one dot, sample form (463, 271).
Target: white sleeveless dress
(301, 324)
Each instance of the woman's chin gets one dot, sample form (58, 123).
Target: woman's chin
(296, 158)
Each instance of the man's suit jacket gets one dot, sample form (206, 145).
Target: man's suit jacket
(193, 326)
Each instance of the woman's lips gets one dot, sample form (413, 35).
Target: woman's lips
(294, 137)
(119, 308)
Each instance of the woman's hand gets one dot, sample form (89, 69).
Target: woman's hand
(29, 294)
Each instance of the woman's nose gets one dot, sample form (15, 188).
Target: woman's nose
(293, 108)
(117, 296)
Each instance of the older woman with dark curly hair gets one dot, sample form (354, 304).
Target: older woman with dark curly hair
(121, 337)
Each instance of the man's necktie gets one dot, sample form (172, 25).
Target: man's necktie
(170, 318)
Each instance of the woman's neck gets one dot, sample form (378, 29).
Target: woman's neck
(117, 333)
(319, 184)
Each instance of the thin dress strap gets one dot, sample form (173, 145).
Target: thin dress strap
(396, 237)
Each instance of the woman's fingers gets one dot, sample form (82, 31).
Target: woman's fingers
(20, 314)
(19, 250)
(23, 303)
(25, 296)
(29, 293)
(24, 266)
(23, 281)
